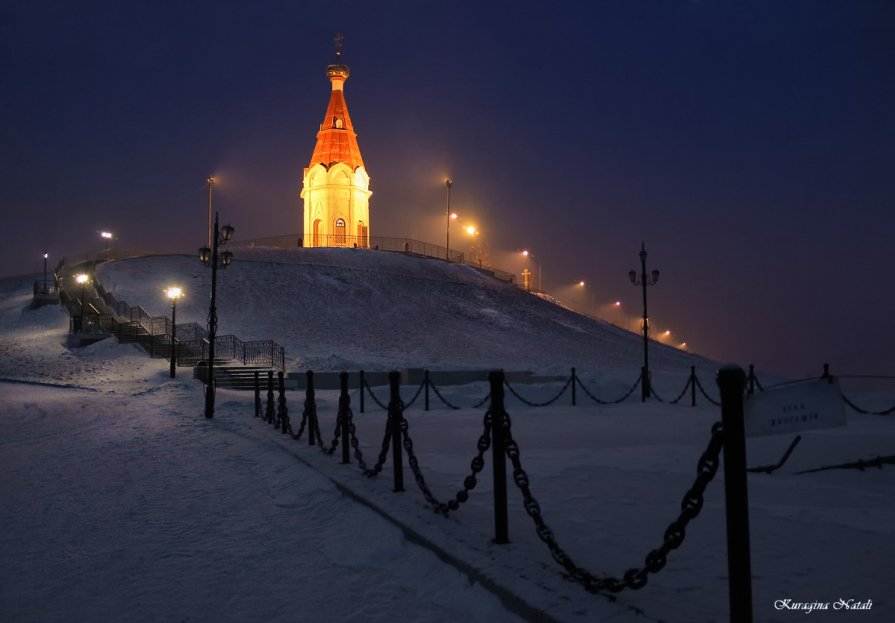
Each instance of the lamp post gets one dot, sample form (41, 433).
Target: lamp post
(174, 293)
(447, 238)
(46, 255)
(107, 236)
(593, 298)
(644, 281)
(81, 278)
(210, 182)
(209, 257)
(528, 253)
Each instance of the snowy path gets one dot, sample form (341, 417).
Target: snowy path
(115, 509)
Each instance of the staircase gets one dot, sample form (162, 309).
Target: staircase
(96, 314)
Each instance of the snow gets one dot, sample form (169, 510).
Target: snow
(119, 501)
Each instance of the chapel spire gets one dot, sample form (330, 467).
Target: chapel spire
(337, 140)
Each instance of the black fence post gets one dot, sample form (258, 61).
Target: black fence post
(731, 383)
(311, 405)
(751, 380)
(395, 416)
(257, 395)
(344, 402)
(644, 384)
(282, 410)
(826, 374)
(361, 390)
(426, 388)
(499, 467)
(268, 416)
(692, 386)
(574, 382)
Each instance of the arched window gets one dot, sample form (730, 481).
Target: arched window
(340, 231)
(338, 123)
(316, 234)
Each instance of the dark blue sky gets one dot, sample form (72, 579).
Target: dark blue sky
(750, 145)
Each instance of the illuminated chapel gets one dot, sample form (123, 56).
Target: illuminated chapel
(336, 187)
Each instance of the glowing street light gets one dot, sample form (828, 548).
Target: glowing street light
(174, 293)
(209, 257)
(644, 281)
(447, 239)
(531, 255)
(471, 230)
(82, 279)
(46, 255)
(593, 296)
(107, 236)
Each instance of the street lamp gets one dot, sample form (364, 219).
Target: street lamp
(46, 255)
(447, 239)
(82, 279)
(644, 281)
(593, 297)
(210, 182)
(174, 293)
(107, 236)
(531, 255)
(209, 257)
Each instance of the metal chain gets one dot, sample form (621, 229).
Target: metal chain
(419, 390)
(656, 559)
(482, 401)
(652, 390)
(469, 483)
(760, 388)
(373, 396)
(354, 442)
(336, 436)
(707, 397)
(683, 392)
(440, 397)
(383, 453)
(539, 404)
(604, 402)
(860, 410)
(304, 421)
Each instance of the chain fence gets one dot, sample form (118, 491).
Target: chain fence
(540, 404)
(607, 402)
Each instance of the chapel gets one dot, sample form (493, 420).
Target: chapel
(336, 187)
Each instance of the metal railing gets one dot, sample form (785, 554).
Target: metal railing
(377, 243)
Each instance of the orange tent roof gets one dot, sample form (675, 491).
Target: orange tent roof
(336, 140)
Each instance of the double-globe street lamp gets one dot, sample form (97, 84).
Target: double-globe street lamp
(174, 293)
(644, 280)
(210, 257)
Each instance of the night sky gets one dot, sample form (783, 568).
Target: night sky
(749, 145)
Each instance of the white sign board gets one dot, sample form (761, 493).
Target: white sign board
(793, 408)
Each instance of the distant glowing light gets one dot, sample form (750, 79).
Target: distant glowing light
(470, 229)
(106, 234)
(81, 278)
(526, 253)
(618, 303)
(454, 216)
(667, 332)
(46, 255)
(580, 283)
(174, 292)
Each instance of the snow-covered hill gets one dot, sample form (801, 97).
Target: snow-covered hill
(120, 502)
(350, 309)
